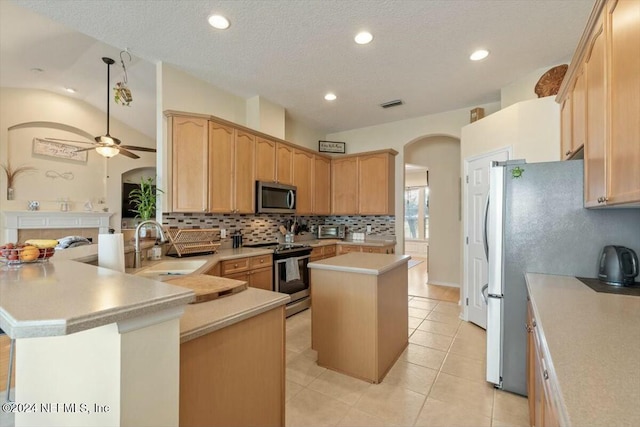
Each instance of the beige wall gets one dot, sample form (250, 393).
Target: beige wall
(300, 134)
(96, 180)
(265, 116)
(396, 135)
(441, 155)
(524, 88)
(415, 179)
(531, 128)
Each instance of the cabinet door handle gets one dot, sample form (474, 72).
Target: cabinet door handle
(568, 153)
(235, 265)
(261, 261)
(545, 374)
(528, 328)
(534, 323)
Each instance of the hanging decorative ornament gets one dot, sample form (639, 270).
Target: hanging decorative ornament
(122, 94)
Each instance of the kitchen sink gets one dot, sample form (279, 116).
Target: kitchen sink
(173, 268)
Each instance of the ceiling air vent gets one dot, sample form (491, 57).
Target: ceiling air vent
(393, 103)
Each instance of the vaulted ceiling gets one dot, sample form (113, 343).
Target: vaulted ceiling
(293, 52)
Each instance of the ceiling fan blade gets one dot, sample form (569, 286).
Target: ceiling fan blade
(128, 153)
(68, 140)
(133, 147)
(77, 150)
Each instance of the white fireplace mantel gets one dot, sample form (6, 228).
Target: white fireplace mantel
(22, 220)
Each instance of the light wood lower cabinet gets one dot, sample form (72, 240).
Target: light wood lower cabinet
(322, 252)
(235, 376)
(345, 249)
(543, 411)
(257, 271)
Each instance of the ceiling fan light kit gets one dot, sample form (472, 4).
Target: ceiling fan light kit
(107, 151)
(107, 145)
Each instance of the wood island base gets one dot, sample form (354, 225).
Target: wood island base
(360, 318)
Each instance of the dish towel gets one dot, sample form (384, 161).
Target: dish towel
(292, 270)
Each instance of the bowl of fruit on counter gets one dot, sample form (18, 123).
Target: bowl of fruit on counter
(33, 250)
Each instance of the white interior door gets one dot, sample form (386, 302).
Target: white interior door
(477, 189)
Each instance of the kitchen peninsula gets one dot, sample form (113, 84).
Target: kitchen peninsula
(360, 313)
(104, 343)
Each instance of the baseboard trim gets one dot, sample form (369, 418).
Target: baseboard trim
(435, 282)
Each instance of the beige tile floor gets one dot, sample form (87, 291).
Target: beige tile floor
(437, 381)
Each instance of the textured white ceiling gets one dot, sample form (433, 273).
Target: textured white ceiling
(293, 52)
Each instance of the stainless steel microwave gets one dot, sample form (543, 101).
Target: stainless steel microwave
(272, 197)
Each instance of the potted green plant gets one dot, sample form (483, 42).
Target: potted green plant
(144, 199)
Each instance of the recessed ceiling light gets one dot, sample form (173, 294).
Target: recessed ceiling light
(330, 96)
(363, 38)
(70, 89)
(219, 22)
(479, 55)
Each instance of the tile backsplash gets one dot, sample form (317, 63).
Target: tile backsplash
(264, 227)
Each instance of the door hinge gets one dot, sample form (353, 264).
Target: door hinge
(467, 239)
(467, 179)
(467, 301)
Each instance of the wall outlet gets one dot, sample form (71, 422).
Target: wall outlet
(223, 233)
(368, 229)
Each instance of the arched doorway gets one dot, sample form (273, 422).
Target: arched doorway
(432, 207)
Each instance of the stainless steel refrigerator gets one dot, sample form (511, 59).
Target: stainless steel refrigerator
(536, 223)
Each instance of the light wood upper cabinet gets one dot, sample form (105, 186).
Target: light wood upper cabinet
(231, 176)
(624, 70)
(344, 186)
(363, 184)
(221, 142)
(578, 115)
(244, 177)
(265, 160)
(321, 186)
(284, 164)
(566, 135)
(303, 180)
(603, 84)
(190, 150)
(594, 164)
(376, 173)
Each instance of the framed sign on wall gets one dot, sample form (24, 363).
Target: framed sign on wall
(42, 147)
(331, 147)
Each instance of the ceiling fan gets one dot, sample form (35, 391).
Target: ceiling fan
(107, 145)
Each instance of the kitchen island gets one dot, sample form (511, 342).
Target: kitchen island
(589, 343)
(359, 321)
(94, 347)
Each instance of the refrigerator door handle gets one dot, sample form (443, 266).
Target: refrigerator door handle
(484, 293)
(485, 239)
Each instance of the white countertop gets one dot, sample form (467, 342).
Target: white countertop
(61, 297)
(362, 263)
(203, 318)
(594, 342)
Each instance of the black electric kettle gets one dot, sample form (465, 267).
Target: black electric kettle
(618, 266)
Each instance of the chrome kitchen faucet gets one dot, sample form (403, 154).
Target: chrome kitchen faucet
(137, 259)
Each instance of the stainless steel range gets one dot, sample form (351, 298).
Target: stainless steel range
(290, 273)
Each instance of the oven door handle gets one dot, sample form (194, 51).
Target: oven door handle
(280, 261)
